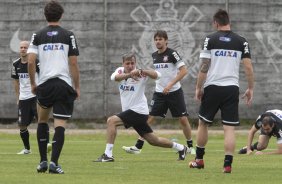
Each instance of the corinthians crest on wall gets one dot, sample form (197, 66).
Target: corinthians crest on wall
(178, 29)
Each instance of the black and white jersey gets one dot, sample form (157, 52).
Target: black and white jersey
(167, 63)
(132, 93)
(226, 50)
(20, 72)
(53, 45)
(277, 116)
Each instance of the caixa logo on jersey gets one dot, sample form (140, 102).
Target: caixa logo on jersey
(126, 88)
(49, 47)
(226, 53)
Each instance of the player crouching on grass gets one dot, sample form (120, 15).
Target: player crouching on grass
(270, 124)
(132, 83)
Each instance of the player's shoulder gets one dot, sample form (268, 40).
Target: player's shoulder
(16, 61)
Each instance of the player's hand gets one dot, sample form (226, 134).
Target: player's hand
(166, 89)
(198, 94)
(248, 96)
(78, 93)
(258, 153)
(33, 88)
(135, 74)
(249, 152)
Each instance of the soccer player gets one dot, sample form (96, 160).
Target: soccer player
(269, 124)
(26, 100)
(58, 84)
(135, 110)
(219, 76)
(168, 92)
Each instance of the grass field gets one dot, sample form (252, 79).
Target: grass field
(153, 165)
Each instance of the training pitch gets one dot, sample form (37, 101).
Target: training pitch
(153, 165)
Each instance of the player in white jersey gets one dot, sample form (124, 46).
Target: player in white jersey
(168, 92)
(132, 83)
(58, 84)
(26, 100)
(270, 124)
(218, 86)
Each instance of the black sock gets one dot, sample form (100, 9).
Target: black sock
(57, 144)
(254, 146)
(228, 160)
(200, 152)
(190, 143)
(42, 140)
(25, 138)
(139, 144)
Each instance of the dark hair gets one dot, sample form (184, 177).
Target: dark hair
(161, 34)
(221, 17)
(53, 11)
(268, 120)
(128, 56)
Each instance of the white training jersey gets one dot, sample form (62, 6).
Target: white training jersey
(226, 50)
(53, 45)
(168, 64)
(132, 93)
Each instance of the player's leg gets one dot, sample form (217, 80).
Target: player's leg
(112, 123)
(230, 118)
(177, 107)
(43, 137)
(209, 107)
(153, 140)
(229, 147)
(24, 119)
(158, 107)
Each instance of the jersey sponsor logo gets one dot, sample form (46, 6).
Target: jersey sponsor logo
(119, 72)
(246, 48)
(73, 43)
(165, 59)
(126, 88)
(226, 53)
(23, 75)
(206, 44)
(53, 47)
(52, 33)
(224, 39)
(158, 66)
(176, 56)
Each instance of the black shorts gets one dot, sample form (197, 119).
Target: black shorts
(174, 101)
(27, 111)
(58, 94)
(225, 98)
(135, 120)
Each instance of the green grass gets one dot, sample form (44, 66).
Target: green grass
(153, 165)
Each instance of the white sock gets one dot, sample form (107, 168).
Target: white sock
(177, 147)
(109, 150)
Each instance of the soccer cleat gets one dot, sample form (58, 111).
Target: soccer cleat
(55, 169)
(243, 150)
(131, 150)
(192, 151)
(49, 147)
(24, 152)
(199, 164)
(42, 167)
(104, 158)
(182, 153)
(227, 169)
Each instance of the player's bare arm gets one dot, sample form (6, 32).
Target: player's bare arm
(202, 77)
(248, 67)
(151, 73)
(31, 71)
(180, 75)
(251, 135)
(74, 70)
